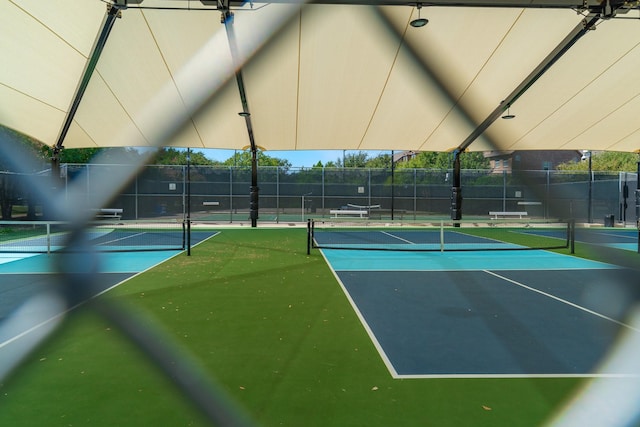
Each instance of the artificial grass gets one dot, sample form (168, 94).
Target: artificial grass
(271, 324)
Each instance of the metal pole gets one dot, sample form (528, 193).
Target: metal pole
(231, 169)
(548, 198)
(323, 193)
(309, 237)
(227, 20)
(415, 193)
(136, 197)
(113, 12)
(504, 190)
(303, 201)
(456, 190)
(369, 193)
(589, 216)
(572, 38)
(392, 185)
(188, 202)
(638, 204)
(253, 190)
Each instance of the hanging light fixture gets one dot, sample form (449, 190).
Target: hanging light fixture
(419, 22)
(509, 116)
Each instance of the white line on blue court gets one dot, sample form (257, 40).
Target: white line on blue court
(564, 301)
(398, 237)
(344, 260)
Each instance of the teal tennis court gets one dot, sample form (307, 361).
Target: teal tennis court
(25, 274)
(619, 238)
(506, 313)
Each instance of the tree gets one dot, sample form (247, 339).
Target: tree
(434, 160)
(20, 155)
(173, 156)
(353, 160)
(605, 161)
(381, 161)
(243, 158)
(112, 155)
(72, 155)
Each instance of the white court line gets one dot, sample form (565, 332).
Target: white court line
(399, 238)
(634, 238)
(365, 325)
(579, 307)
(120, 239)
(63, 312)
(6, 258)
(395, 375)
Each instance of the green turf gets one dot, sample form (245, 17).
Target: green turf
(272, 325)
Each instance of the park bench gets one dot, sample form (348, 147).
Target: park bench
(349, 212)
(108, 213)
(496, 215)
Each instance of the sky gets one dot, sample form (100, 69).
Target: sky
(299, 158)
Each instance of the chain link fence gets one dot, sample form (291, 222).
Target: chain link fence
(221, 194)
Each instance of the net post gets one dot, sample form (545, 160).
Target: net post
(441, 235)
(48, 238)
(309, 236)
(188, 225)
(571, 235)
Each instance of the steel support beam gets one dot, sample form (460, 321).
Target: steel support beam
(563, 47)
(110, 16)
(113, 12)
(582, 5)
(254, 190)
(456, 190)
(580, 30)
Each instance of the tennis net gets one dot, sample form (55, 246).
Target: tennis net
(440, 235)
(103, 236)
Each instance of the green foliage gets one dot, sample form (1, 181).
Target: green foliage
(605, 161)
(423, 160)
(381, 161)
(173, 156)
(433, 160)
(243, 158)
(352, 160)
(93, 155)
(32, 151)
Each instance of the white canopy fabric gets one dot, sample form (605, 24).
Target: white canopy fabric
(322, 76)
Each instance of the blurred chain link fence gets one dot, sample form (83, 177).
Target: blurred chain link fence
(292, 194)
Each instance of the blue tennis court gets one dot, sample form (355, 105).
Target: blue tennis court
(620, 238)
(23, 275)
(483, 313)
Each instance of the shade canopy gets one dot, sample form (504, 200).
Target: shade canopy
(338, 75)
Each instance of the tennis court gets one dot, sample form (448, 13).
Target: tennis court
(102, 236)
(120, 253)
(619, 238)
(471, 313)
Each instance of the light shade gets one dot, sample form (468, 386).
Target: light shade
(419, 22)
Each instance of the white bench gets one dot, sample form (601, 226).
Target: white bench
(495, 215)
(350, 212)
(109, 213)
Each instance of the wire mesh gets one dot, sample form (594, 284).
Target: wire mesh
(74, 202)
